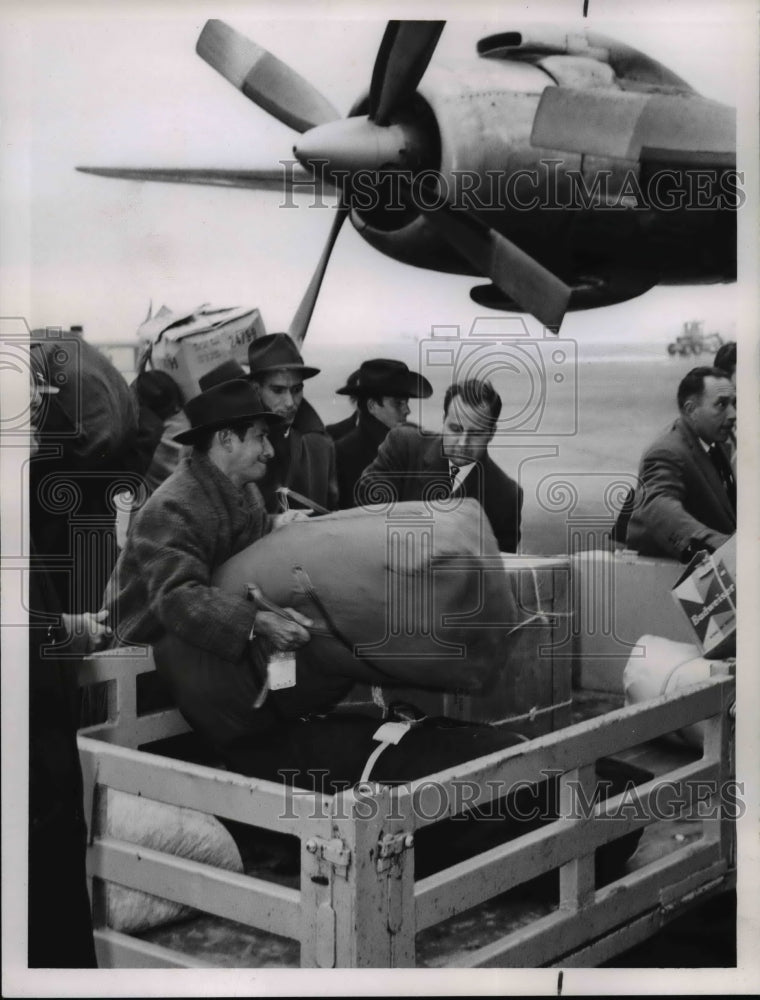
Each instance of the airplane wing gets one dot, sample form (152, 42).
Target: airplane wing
(655, 127)
(288, 178)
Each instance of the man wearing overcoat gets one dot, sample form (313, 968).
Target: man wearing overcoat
(304, 453)
(383, 389)
(206, 642)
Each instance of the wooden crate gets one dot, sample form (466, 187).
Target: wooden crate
(618, 596)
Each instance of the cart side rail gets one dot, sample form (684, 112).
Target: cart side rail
(358, 904)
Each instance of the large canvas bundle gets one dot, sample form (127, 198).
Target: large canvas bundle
(93, 416)
(532, 689)
(419, 594)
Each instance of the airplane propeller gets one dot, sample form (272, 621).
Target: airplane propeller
(263, 78)
(514, 272)
(404, 54)
(300, 322)
(377, 142)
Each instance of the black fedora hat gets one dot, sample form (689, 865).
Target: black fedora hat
(277, 352)
(386, 377)
(222, 405)
(224, 372)
(349, 389)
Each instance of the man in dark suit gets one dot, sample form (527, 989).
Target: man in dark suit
(414, 465)
(686, 498)
(383, 389)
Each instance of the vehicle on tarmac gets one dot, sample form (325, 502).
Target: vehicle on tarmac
(694, 340)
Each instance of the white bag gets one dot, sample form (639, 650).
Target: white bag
(176, 830)
(665, 667)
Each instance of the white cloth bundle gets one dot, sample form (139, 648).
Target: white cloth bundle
(666, 666)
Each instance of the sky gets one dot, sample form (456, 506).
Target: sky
(120, 84)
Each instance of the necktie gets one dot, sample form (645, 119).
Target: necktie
(723, 468)
(453, 473)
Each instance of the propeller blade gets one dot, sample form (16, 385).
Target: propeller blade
(280, 179)
(263, 78)
(632, 126)
(519, 276)
(300, 323)
(405, 51)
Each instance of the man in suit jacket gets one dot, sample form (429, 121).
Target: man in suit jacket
(686, 498)
(419, 466)
(383, 389)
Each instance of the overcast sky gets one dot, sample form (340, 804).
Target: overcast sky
(120, 84)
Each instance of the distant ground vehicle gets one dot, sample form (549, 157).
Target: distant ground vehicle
(694, 340)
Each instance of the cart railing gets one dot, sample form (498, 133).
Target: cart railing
(359, 904)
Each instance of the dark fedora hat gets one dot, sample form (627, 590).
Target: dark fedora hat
(224, 372)
(277, 352)
(386, 377)
(349, 389)
(222, 405)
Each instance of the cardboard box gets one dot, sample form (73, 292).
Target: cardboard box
(532, 691)
(706, 593)
(616, 596)
(187, 345)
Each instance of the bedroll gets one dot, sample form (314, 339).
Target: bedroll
(415, 593)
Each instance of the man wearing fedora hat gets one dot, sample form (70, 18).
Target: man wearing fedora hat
(455, 462)
(304, 454)
(342, 427)
(160, 592)
(383, 389)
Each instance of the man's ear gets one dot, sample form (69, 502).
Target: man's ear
(224, 437)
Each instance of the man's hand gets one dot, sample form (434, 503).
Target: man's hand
(284, 635)
(88, 630)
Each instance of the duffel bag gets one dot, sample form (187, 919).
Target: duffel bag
(409, 594)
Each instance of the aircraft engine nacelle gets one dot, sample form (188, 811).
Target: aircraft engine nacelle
(476, 129)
